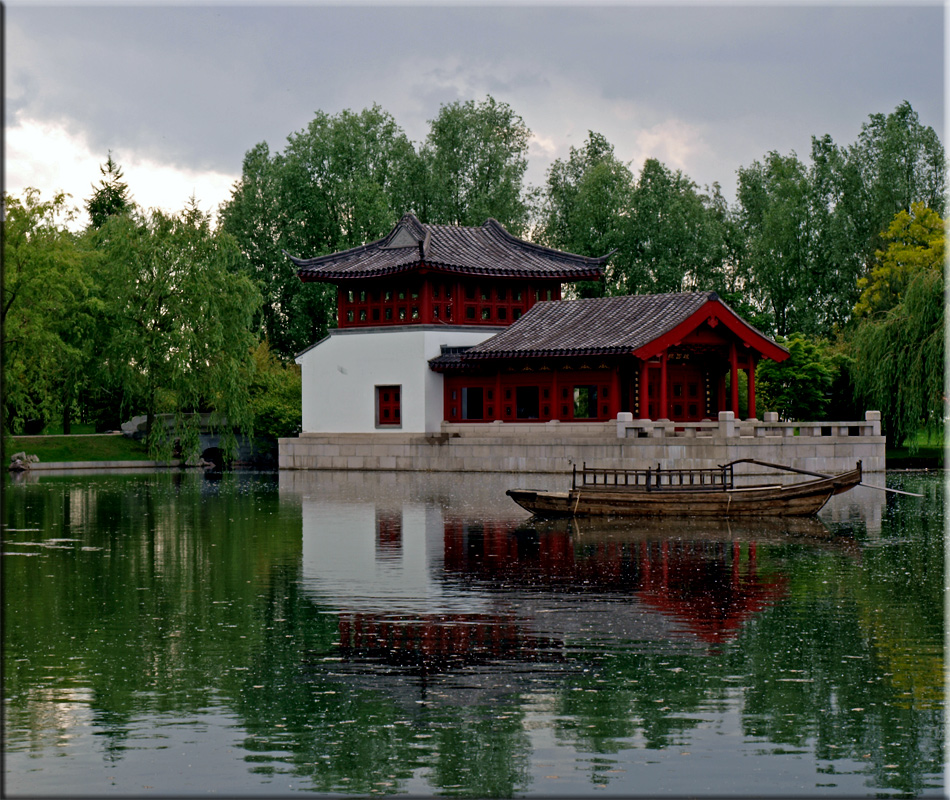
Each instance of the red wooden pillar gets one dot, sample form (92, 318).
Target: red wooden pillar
(615, 393)
(734, 378)
(456, 302)
(644, 390)
(498, 398)
(664, 411)
(425, 298)
(341, 298)
(751, 372)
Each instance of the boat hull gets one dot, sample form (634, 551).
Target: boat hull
(794, 500)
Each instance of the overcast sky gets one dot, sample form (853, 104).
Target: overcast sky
(180, 93)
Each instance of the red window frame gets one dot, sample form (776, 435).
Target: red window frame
(389, 406)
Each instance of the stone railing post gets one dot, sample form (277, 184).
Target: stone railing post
(874, 417)
(727, 424)
(623, 417)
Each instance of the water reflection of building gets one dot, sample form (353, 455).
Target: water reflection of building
(430, 573)
(706, 586)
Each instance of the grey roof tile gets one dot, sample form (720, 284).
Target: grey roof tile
(594, 326)
(486, 250)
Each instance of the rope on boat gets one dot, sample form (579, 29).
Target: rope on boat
(816, 475)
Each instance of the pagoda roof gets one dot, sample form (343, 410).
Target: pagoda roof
(485, 250)
(637, 325)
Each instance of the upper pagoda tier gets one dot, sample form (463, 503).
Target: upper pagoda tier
(420, 273)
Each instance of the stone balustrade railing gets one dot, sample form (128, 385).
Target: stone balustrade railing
(727, 426)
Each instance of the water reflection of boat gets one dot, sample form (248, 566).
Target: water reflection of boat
(684, 493)
(746, 530)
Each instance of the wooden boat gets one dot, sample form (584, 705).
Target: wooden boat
(684, 492)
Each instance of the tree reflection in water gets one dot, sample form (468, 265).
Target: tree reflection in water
(388, 633)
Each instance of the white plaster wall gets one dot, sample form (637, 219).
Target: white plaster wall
(340, 373)
(342, 568)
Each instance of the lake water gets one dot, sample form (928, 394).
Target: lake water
(336, 633)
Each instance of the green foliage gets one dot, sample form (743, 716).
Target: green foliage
(774, 215)
(668, 236)
(900, 361)
(901, 162)
(475, 157)
(275, 395)
(810, 232)
(582, 207)
(799, 387)
(112, 195)
(94, 447)
(914, 242)
(178, 313)
(341, 182)
(675, 236)
(45, 309)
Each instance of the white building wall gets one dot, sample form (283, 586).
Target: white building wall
(340, 375)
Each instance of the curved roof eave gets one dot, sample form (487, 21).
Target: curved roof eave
(352, 275)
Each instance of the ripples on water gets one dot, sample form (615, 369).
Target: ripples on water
(170, 633)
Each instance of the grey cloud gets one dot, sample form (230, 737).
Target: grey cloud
(199, 86)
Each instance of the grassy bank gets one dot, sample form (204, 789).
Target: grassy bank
(928, 452)
(88, 447)
(926, 457)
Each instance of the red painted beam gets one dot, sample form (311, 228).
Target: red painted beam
(714, 309)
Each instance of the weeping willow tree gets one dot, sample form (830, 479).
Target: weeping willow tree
(899, 352)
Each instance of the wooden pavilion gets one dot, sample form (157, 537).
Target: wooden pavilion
(669, 356)
(448, 323)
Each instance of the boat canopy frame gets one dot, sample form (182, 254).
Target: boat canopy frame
(655, 480)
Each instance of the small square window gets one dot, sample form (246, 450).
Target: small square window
(388, 411)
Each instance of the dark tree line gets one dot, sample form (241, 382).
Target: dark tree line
(121, 331)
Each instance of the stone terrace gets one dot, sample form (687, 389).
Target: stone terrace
(555, 447)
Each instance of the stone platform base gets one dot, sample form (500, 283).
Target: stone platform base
(554, 447)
